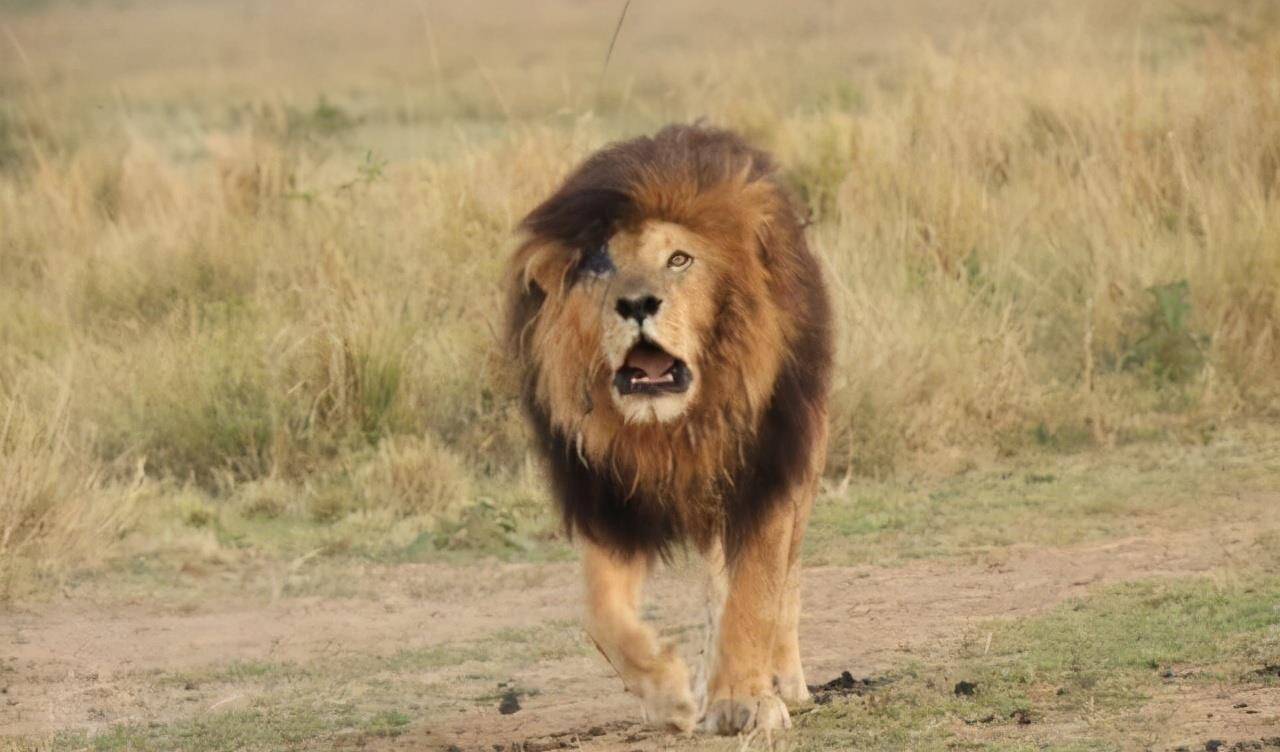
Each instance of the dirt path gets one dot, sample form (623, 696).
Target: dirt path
(72, 664)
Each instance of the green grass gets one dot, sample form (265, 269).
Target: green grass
(1121, 638)
(1092, 661)
(1047, 499)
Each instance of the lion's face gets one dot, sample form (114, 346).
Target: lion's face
(653, 294)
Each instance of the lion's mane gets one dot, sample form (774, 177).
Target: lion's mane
(753, 428)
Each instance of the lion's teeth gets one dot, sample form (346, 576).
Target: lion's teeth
(644, 378)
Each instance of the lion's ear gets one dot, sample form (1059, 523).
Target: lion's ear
(545, 266)
(780, 228)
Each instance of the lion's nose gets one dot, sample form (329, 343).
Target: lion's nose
(638, 308)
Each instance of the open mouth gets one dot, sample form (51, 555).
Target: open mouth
(650, 370)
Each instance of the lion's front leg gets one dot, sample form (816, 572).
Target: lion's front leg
(655, 674)
(757, 660)
(788, 674)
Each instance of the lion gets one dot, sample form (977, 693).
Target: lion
(673, 335)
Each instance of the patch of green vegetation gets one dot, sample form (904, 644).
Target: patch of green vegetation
(218, 422)
(324, 119)
(1166, 347)
(387, 723)
(1051, 499)
(1113, 645)
(1095, 659)
(910, 713)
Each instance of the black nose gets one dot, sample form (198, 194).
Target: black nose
(638, 308)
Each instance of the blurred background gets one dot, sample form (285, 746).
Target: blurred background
(250, 256)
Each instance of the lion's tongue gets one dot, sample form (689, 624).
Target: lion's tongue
(652, 360)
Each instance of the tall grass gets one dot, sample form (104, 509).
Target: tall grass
(55, 510)
(1056, 226)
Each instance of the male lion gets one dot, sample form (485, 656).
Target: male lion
(674, 336)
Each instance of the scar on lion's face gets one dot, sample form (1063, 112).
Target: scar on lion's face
(648, 295)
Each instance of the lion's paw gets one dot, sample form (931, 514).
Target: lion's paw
(764, 712)
(792, 689)
(668, 703)
(671, 712)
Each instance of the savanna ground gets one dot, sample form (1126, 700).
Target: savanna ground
(263, 484)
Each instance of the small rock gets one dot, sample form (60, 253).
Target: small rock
(1213, 745)
(965, 688)
(510, 703)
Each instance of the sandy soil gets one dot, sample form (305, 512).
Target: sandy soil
(71, 664)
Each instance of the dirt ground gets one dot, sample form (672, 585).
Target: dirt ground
(75, 662)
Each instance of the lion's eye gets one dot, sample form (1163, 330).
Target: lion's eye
(679, 260)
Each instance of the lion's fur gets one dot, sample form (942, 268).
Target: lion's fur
(764, 361)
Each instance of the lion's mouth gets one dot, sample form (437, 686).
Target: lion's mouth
(650, 370)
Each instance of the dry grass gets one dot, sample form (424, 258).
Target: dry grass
(55, 510)
(258, 248)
